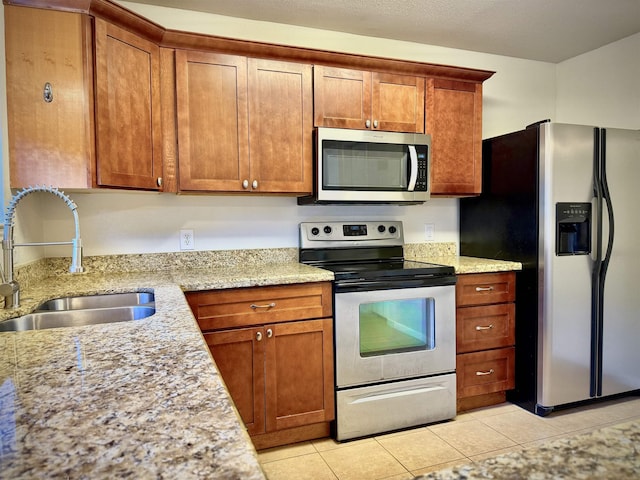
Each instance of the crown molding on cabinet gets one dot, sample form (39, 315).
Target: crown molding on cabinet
(169, 38)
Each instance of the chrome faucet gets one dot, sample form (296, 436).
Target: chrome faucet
(10, 289)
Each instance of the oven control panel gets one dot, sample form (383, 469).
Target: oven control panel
(351, 233)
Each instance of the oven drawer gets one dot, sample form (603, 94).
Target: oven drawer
(485, 372)
(364, 411)
(485, 327)
(485, 288)
(240, 307)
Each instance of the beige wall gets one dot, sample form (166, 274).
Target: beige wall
(519, 93)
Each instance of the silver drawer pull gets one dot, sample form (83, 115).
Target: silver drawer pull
(268, 305)
(484, 289)
(480, 327)
(258, 336)
(479, 374)
(269, 333)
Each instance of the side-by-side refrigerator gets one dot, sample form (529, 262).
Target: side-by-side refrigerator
(565, 201)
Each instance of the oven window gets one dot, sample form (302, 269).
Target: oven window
(395, 326)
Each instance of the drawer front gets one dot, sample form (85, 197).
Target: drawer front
(238, 307)
(485, 372)
(484, 327)
(485, 288)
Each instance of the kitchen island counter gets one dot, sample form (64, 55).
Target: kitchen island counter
(611, 452)
(139, 399)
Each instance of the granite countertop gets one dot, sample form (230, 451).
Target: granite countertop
(144, 398)
(445, 254)
(611, 452)
(138, 399)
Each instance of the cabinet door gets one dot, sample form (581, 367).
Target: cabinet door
(299, 370)
(50, 142)
(128, 115)
(341, 97)
(398, 103)
(280, 127)
(454, 120)
(213, 153)
(239, 356)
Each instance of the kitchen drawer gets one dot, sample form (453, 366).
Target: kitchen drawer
(485, 327)
(485, 372)
(485, 288)
(241, 307)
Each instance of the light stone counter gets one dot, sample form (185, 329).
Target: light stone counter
(609, 453)
(445, 254)
(140, 399)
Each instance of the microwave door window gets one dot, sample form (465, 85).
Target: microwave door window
(364, 166)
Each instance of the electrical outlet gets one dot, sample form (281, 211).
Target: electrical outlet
(429, 232)
(186, 240)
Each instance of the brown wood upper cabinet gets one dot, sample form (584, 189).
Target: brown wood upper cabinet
(55, 136)
(362, 100)
(128, 122)
(244, 124)
(454, 120)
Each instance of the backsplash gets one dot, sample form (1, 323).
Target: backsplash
(195, 260)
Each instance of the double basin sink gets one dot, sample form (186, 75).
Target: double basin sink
(78, 311)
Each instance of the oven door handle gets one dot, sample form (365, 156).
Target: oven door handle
(362, 285)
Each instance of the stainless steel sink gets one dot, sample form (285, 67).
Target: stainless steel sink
(97, 301)
(84, 310)
(76, 318)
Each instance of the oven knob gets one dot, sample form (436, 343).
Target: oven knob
(392, 229)
(315, 231)
(381, 228)
(327, 229)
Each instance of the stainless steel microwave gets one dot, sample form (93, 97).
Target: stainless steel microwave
(363, 166)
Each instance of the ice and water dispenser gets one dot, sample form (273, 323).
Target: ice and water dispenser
(573, 228)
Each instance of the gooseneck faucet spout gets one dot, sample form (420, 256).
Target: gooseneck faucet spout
(10, 289)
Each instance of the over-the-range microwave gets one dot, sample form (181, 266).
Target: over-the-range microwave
(364, 166)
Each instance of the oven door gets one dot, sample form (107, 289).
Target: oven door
(394, 334)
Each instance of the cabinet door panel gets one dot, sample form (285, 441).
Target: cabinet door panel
(128, 114)
(485, 372)
(280, 126)
(485, 288)
(212, 121)
(342, 97)
(454, 120)
(239, 356)
(299, 374)
(49, 142)
(486, 326)
(398, 102)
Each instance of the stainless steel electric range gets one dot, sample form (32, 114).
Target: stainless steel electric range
(394, 327)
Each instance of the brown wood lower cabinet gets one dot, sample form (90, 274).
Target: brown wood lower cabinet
(485, 338)
(279, 373)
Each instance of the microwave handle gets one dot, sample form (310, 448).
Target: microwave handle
(413, 156)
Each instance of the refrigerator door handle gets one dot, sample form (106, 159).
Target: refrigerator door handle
(596, 297)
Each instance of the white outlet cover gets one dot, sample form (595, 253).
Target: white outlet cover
(186, 240)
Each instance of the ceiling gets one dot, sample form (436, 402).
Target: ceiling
(546, 30)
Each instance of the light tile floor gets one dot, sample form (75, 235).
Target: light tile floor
(474, 435)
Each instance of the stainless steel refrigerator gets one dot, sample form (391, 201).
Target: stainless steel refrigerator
(565, 201)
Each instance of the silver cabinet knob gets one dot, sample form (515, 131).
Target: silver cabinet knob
(159, 181)
(258, 336)
(245, 184)
(367, 123)
(375, 124)
(254, 184)
(269, 333)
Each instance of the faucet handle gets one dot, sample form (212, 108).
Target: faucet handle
(11, 293)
